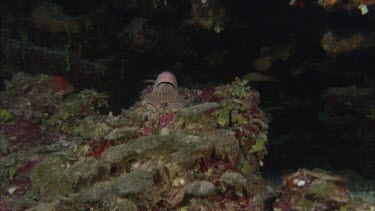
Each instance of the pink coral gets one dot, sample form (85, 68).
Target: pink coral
(166, 119)
(147, 131)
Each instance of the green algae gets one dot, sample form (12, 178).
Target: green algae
(7, 171)
(260, 144)
(239, 111)
(83, 104)
(81, 173)
(191, 143)
(237, 99)
(94, 130)
(127, 184)
(121, 152)
(245, 167)
(133, 182)
(100, 191)
(240, 88)
(5, 116)
(4, 143)
(223, 115)
(238, 118)
(50, 180)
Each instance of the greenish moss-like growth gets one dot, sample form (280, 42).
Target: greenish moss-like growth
(240, 88)
(8, 169)
(50, 179)
(245, 167)
(84, 104)
(93, 130)
(234, 104)
(223, 115)
(239, 110)
(5, 116)
(260, 147)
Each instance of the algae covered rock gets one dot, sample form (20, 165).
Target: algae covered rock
(136, 146)
(192, 143)
(84, 169)
(205, 155)
(200, 188)
(125, 185)
(235, 180)
(118, 133)
(98, 192)
(147, 157)
(49, 179)
(316, 189)
(133, 182)
(197, 111)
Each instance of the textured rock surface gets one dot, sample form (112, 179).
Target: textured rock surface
(205, 156)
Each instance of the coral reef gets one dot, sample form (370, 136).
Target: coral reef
(212, 149)
(314, 189)
(201, 144)
(205, 155)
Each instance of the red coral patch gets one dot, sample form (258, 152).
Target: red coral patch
(60, 84)
(24, 135)
(21, 180)
(208, 95)
(98, 150)
(166, 119)
(147, 131)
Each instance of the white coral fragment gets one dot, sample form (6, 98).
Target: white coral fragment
(363, 8)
